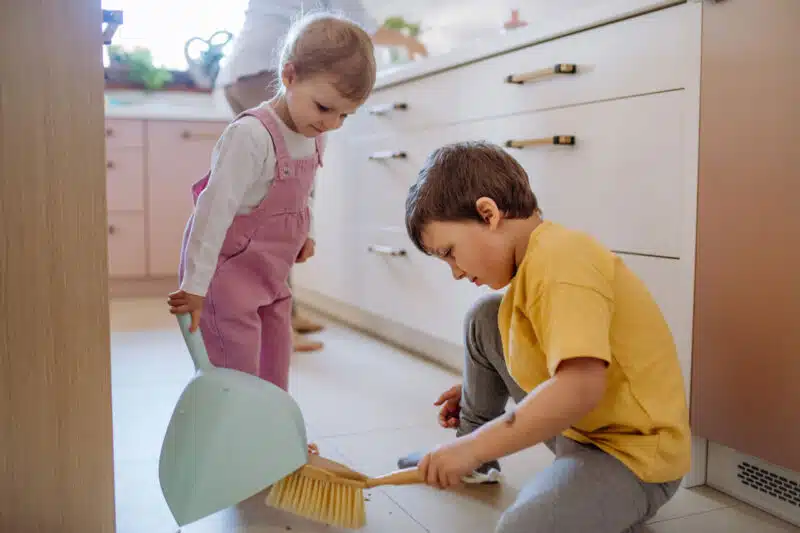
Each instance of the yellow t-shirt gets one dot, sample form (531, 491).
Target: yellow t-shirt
(571, 297)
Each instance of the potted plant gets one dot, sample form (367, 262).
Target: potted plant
(136, 67)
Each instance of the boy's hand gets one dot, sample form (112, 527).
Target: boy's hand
(306, 252)
(450, 400)
(447, 464)
(182, 302)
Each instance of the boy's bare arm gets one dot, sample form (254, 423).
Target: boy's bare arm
(555, 405)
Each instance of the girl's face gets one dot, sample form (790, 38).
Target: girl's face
(314, 105)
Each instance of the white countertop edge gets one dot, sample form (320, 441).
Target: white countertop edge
(188, 114)
(520, 38)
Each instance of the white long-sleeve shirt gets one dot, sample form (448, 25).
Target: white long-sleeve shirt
(257, 45)
(242, 168)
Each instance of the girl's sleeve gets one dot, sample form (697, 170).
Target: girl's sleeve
(237, 162)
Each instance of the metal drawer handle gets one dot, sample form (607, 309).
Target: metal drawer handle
(112, 229)
(555, 140)
(187, 135)
(110, 165)
(388, 154)
(109, 132)
(384, 109)
(536, 75)
(386, 250)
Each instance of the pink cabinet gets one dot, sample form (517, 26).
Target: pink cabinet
(178, 154)
(151, 165)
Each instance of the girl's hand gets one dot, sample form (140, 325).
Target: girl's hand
(182, 302)
(306, 252)
(446, 465)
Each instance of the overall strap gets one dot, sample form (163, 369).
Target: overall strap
(271, 124)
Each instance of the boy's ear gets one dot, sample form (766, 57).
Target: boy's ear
(488, 211)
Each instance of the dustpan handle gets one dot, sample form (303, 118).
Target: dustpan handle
(194, 341)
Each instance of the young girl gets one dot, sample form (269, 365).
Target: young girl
(251, 218)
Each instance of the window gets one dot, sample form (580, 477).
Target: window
(164, 26)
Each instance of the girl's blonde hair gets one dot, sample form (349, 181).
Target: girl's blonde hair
(329, 43)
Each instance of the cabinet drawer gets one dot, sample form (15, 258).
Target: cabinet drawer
(124, 133)
(413, 289)
(187, 133)
(125, 179)
(126, 245)
(386, 167)
(640, 55)
(622, 181)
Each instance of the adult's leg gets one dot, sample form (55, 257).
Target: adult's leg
(585, 489)
(249, 91)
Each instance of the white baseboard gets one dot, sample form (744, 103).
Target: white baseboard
(697, 475)
(142, 287)
(450, 356)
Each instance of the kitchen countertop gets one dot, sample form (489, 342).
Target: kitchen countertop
(537, 32)
(204, 107)
(165, 105)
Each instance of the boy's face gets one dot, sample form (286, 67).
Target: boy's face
(479, 252)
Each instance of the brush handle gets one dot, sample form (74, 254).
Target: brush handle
(408, 476)
(337, 469)
(194, 341)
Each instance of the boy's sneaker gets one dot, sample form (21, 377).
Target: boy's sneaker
(486, 474)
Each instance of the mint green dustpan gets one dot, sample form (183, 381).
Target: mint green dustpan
(231, 436)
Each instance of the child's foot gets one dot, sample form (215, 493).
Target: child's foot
(304, 325)
(413, 459)
(299, 344)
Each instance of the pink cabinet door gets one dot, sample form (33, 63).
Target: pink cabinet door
(125, 179)
(178, 154)
(126, 246)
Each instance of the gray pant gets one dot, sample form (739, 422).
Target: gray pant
(584, 489)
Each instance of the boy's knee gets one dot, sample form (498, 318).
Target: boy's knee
(530, 516)
(482, 316)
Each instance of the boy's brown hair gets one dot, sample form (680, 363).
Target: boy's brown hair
(328, 43)
(455, 176)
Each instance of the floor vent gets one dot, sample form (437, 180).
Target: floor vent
(770, 487)
(769, 483)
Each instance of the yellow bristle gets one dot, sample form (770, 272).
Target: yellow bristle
(333, 501)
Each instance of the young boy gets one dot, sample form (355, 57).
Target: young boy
(577, 340)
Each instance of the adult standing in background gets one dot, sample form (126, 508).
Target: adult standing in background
(249, 75)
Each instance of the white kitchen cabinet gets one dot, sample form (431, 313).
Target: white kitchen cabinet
(700, 210)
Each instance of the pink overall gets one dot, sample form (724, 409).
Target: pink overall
(246, 318)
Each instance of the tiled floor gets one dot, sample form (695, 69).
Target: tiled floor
(365, 403)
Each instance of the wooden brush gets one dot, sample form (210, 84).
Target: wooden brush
(331, 493)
